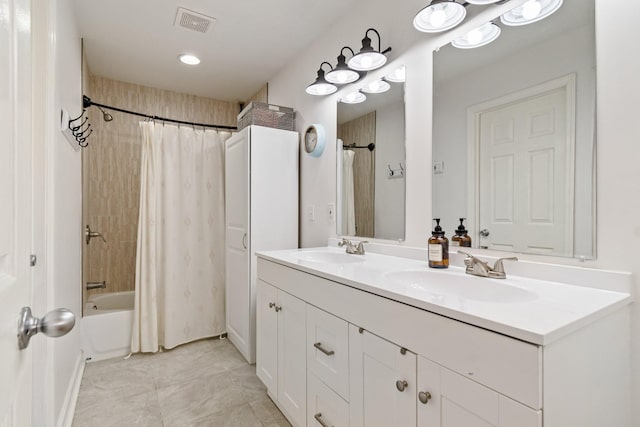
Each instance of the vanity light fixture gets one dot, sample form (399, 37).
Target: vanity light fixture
(440, 15)
(354, 98)
(189, 59)
(377, 86)
(398, 75)
(368, 59)
(321, 86)
(341, 73)
(482, 2)
(529, 12)
(480, 36)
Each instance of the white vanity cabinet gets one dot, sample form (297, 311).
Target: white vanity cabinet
(351, 357)
(281, 350)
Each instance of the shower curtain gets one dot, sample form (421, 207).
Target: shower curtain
(179, 286)
(348, 196)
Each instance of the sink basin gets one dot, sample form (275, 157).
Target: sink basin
(329, 257)
(444, 284)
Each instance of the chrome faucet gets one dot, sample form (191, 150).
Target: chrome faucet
(355, 248)
(477, 267)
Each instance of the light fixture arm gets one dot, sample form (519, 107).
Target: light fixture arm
(325, 62)
(366, 42)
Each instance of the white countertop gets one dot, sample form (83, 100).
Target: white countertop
(531, 310)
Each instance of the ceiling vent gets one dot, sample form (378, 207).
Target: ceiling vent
(195, 21)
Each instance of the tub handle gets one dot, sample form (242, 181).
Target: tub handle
(96, 285)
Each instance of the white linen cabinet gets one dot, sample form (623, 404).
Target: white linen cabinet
(261, 213)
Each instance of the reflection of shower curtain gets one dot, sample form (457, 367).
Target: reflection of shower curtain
(348, 200)
(179, 295)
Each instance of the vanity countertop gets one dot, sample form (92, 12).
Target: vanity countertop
(536, 311)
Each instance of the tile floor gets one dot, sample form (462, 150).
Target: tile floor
(206, 383)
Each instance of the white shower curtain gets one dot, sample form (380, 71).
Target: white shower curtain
(179, 295)
(348, 196)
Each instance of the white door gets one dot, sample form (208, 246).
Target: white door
(456, 401)
(382, 380)
(15, 208)
(292, 357)
(267, 336)
(237, 293)
(526, 175)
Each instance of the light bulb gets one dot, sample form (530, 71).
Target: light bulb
(341, 77)
(366, 61)
(531, 9)
(438, 18)
(474, 37)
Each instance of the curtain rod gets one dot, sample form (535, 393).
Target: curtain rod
(369, 147)
(87, 102)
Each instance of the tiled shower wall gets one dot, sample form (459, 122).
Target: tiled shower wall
(362, 132)
(111, 170)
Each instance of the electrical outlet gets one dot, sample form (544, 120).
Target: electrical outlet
(331, 211)
(438, 167)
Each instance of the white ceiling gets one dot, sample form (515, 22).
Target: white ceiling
(136, 41)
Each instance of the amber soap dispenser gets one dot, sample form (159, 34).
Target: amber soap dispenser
(461, 238)
(438, 248)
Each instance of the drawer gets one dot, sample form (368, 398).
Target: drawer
(325, 406)
(328, 349)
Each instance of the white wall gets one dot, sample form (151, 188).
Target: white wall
(571, 52)
(389, 193)
(618, 135)
(64, 278)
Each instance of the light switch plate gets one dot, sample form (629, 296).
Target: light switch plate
(311, 213)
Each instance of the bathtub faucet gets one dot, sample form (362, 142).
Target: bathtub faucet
(96, 285)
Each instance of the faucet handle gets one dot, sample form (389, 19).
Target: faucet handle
(498, 267)
(344, 241)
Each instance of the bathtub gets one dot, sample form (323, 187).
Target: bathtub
(106, 325)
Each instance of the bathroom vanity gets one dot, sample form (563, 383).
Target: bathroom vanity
(378, 340)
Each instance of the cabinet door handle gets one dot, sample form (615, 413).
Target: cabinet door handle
(272, 304)
(401, 385)
(318, 345)
(424, 397)
(319, 419)
(244, 240)
(277, 308)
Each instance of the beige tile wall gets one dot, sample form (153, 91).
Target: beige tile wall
(260, 96)
(111, 170)
(362, 132)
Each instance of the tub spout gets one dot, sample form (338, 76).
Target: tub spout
(96, 285)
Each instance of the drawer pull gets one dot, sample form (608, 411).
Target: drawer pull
(318, 345)
(401, 385)
(424, 397)
(319, 419)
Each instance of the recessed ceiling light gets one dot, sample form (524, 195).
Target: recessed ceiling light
(185, 58)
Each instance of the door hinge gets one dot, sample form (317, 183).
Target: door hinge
(33, 260)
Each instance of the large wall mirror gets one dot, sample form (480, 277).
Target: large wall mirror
(371, 165)
(514, 136)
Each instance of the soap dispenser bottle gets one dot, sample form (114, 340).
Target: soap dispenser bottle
(438, 248)
(461, 238)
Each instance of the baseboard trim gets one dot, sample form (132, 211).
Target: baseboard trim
(71, 398)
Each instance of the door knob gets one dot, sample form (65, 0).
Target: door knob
(484, 232)
(56, 323)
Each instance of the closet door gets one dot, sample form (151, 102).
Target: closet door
(237, 293)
